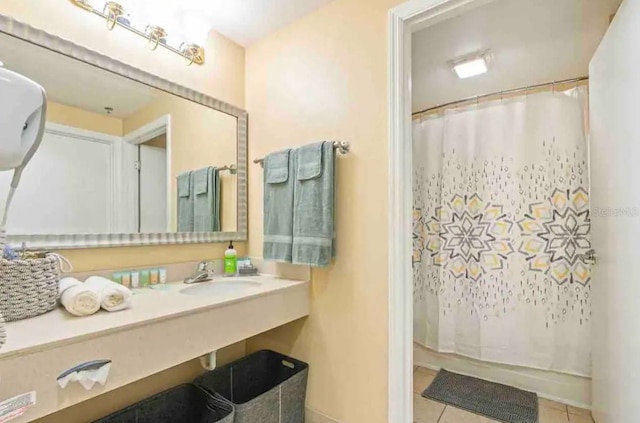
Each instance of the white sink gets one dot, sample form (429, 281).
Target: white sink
(220, 287)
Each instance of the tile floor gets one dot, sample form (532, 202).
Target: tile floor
(428, 411)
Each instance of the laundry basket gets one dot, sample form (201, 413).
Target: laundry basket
(182, 404)
(28, 287)
(264, 387)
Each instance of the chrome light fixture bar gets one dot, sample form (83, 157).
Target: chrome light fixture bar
(114, 14)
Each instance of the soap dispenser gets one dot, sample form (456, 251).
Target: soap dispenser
(230, 261)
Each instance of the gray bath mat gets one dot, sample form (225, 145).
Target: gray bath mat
(499, 402)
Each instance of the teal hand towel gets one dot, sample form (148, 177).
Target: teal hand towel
(278, 206)
(313, 211)
(185, 203)
(206, 207)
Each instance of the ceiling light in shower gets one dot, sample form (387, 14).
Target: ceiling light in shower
(472, 65)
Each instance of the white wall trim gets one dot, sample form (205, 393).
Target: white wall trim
(147, 132)
(83, 134)
(403, 20)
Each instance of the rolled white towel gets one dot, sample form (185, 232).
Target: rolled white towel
(76, 298)
(113, 296)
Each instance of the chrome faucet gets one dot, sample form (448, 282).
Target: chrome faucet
(203, 273)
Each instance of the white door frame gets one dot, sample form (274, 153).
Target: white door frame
(160, 126)
(403, 20)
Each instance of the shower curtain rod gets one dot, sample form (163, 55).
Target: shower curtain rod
(501, 93)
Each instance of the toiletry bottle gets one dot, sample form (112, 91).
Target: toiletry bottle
(230, 260)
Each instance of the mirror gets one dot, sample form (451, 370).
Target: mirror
(120, 156)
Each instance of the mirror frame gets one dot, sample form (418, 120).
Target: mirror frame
(25, 32)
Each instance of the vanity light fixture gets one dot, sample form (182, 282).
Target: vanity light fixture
(116, 14)
(193, 52)
(113, 11)
(471, 65)
(156, 35)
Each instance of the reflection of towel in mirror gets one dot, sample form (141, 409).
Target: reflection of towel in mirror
(113, 296)
(185, 203)
(206, 200)
(77, 298)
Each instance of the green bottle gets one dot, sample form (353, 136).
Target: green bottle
(230, 261)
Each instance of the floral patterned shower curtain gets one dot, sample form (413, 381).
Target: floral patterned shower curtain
(501, 227)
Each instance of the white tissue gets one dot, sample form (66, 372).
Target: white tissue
(87, 378)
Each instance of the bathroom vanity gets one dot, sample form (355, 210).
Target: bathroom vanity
(109, 173)
(162, 329)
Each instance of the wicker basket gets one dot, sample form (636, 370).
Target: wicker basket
(29, 287)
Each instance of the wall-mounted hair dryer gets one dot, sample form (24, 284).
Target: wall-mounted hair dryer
(23, 109)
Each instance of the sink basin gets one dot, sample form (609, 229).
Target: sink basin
(220, 287)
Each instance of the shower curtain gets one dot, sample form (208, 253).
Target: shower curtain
(501, 226)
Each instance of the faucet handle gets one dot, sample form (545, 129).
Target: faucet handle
(203, 266)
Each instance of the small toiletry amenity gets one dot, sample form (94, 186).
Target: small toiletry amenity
(246, 268)
(230, 261)
(153, 277)
(140, 278)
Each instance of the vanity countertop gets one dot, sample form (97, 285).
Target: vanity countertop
(149, 305)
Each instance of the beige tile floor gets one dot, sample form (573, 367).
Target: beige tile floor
(428, 411)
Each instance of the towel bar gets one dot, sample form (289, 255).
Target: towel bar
(343, 147)
(233, 169)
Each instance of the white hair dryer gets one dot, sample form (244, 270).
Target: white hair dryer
(23, 109)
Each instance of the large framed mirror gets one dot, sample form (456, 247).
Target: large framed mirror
(127, 158)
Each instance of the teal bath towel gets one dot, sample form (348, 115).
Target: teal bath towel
(279, 183)
(185, 203)
(313, 211)
(206, 200)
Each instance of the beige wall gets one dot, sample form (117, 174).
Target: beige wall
(200, 137)
(78, 118)
(222, 77)
(325, 77)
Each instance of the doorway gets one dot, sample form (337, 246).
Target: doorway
(146, 182)
(405, 21)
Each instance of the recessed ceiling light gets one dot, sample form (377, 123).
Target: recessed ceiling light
(473, 65)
